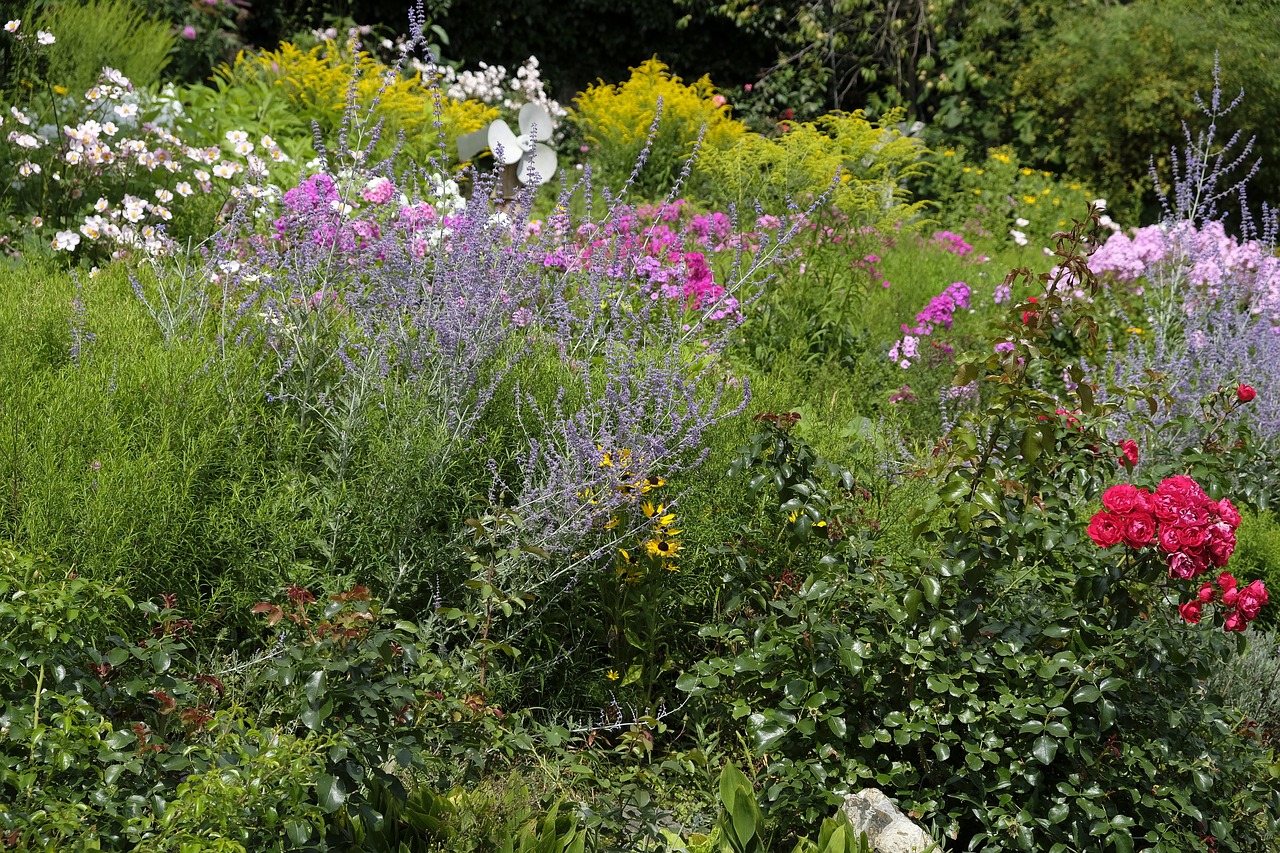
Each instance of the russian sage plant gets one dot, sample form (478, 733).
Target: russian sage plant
(1210, 301)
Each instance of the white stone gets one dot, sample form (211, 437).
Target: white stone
(888, 829)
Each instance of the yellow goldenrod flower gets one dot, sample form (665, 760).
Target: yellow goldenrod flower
(967, 170)
(1025, 170)
(949, 153)
(1029, 199)
(977, 192)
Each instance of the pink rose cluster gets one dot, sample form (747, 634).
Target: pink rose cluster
(1244, 604)
(1190, 529)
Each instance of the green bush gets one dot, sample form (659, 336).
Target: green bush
(93, 34)
(1108, 92)
(1015, 684)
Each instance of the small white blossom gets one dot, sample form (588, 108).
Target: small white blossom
(183, 189)
(235, 137)
(65, 241)
(126, 110)
(37, 222)
(12, 26)
(46, 37)
(222, 170)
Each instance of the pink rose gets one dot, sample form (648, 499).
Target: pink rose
(1183, 486)
(1139, 529)
(1230, 597)
(1235, 622)
(1207, 593)
(1169, 539)
(1184, 565)
(1129, 453)
(1228, 513)
(1245, 393)
(1226, 581)
(1123, 498)
(1190, 612)
(1220, 549)
(1105, 529)
(1251, 599)
(1165, 505)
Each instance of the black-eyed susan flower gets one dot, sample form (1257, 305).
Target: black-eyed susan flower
(663, 549)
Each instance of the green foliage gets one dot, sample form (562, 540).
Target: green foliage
(1012, 680)
(91, 34)
(1127, 75)
(616, 121)
(741, 825)
(1252, 684)
(858, 164)
(998, 195)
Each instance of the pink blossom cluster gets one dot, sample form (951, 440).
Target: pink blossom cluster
(939, 312)
(1244, 604)
(1215, 257)
(665, 248)
(1191, 530)
(949, 241)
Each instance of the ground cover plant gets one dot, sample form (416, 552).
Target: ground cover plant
(361, 503)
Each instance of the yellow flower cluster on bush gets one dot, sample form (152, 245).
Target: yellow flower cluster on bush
(615, 121)
(872, 157)
(317, 82)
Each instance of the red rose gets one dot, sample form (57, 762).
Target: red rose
(1235, 622)
(1245, 393)
(1139, 529)
(1129, 453)
(1124, 498)
(1165, 505)
(1228, 513)
(1207, 593)
(1251, 599)
(1226, 581)
(1193, 537)
(1105, 529)
(1230, 597)
(1183, 486)
(1169, 539)
(1190, 612)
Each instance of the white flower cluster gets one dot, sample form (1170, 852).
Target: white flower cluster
(491, 86)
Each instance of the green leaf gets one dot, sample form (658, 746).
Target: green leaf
(1202, 779)
(330, 793)
(1086, 695)
(1044, 749)
(314, 685)
(932, 589)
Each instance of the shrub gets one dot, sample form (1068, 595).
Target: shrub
(616, 121)
(871, 160)
(1013, 679)
(97, 34)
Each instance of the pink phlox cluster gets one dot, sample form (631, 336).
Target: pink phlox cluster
(949, 241)
(1214, 256)
(939, 312)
